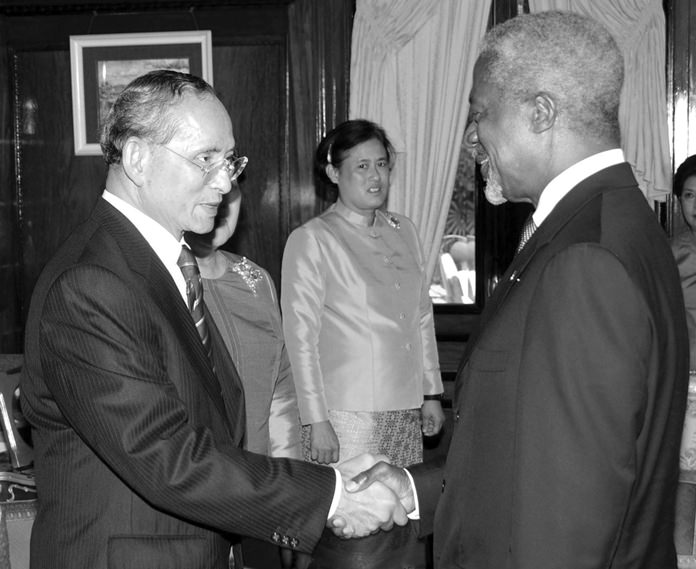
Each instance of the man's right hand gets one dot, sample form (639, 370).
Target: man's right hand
(393, 477)
(366, 512)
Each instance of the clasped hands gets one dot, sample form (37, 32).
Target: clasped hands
(375, 496)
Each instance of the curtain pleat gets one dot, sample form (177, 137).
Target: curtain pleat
(411, 71)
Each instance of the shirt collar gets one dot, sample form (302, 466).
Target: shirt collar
(557, 188)
(353, 216)
(163, 243)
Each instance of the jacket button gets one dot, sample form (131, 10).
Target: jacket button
(444, 483)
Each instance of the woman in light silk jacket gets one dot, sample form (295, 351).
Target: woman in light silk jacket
(359, 331)
(242, 301)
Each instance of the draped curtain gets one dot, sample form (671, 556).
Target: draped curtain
(639, 28)
(411, 71)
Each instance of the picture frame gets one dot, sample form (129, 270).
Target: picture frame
(102, 65)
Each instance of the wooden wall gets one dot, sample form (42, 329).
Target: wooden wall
(281, 69)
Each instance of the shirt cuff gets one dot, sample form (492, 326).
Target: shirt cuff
(415, 514)
(337, 494)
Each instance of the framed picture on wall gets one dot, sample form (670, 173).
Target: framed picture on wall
(102, 65)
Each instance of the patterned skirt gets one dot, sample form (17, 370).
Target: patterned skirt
(396, 434)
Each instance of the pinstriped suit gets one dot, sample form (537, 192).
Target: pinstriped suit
(137, 458)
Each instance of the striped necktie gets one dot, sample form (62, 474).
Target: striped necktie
(527, 231)
(194, 294)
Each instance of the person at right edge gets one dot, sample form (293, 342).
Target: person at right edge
(570, 398)
(684, 249)
(684, 245)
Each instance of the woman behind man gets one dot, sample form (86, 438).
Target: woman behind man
(359, 329)
(241, 299)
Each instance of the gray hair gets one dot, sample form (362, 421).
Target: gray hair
(144, 107)
(571, 57)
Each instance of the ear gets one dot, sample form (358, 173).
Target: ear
(545, 113)
(135, 156)
(332, 173)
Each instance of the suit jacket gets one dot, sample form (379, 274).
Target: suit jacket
(136, 448)
(570, 399)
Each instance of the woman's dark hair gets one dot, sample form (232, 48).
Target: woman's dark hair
(685, 170)
(336, 144)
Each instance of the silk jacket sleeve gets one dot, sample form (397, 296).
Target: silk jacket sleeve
(284, 418)
(684, 249)
(303, 287)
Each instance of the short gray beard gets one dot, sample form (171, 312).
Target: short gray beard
(493, 190)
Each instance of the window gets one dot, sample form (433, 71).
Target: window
(454, 280)
(478, 244)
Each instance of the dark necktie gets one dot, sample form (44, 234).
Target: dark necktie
(194, 294)
(527, 231)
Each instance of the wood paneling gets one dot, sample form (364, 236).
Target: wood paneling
(10, 315)
(251, 85)
(681, 77)
(45, 190)
(55, 189)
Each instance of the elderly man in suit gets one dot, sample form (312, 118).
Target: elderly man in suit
(570, 399)
(136, 408)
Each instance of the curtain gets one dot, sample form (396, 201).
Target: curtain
(640, 30)
(411, 71)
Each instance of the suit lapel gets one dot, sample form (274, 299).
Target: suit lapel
(230, 383)
(614, 178)
(164, 293)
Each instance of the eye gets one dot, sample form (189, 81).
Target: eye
(204, 158)
(382, 163)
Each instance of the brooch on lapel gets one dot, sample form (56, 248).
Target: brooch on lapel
(249, 274)
(391, 220)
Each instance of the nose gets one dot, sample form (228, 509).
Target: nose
(220, 180)
(373, 173)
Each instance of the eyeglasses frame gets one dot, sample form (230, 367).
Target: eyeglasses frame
(233, 171)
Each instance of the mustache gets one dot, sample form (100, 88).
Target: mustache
(479, 156)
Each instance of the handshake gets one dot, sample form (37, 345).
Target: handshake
(375, 496)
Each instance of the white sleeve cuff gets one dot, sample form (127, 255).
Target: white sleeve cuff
(337, 494)
(415, 514)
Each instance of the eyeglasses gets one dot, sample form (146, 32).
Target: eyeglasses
(232, 164)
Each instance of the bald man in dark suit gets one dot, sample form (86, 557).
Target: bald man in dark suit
(570, 398)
